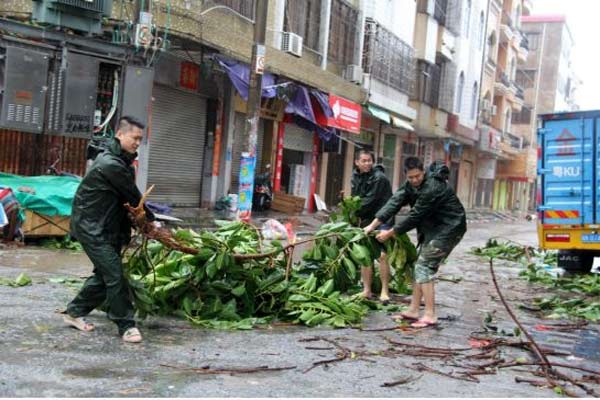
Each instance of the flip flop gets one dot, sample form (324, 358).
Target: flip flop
(132, 335)
(423, 323)
(401, 316)
(78, 323)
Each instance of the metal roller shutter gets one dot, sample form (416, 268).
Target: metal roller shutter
(240, 139)
(177, 146)
(298, 139)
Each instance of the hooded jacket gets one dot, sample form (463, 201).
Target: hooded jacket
(436, 211)
(374, 190)
(99, 215)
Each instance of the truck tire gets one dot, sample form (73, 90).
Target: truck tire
(576, 261)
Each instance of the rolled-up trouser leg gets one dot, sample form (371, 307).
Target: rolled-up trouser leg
(107, 262)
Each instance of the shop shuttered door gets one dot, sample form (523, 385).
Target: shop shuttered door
(176, 147)
(240, 141)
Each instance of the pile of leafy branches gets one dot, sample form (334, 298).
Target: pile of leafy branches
(586, 288)
(236, 280)
(513, 251)
(579, 293)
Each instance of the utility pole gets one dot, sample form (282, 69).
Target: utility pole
(248, 158)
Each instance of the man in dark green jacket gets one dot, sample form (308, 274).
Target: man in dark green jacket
(440, 220)
(100, 222)
(373, 187)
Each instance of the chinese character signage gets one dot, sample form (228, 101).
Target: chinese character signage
(346, 114)
(189, 75)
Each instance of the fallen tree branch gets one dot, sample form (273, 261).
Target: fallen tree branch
(401, 381)
(207, 370)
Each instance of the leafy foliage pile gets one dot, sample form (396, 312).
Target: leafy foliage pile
(583, 290)
(21, 280)
(236, 280)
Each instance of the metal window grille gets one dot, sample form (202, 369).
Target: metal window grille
(244, 7)
(303, 17)
(388, 58)
(453, 10)
(342, 34)
(428, 83)
(448, 73)
(522, 117)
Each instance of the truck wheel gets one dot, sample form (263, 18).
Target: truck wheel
(576, 261)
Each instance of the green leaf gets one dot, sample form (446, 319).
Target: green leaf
(240, 290)
(23, 280)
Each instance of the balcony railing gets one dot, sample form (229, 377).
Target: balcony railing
(244, 7)
(513, 141)
(388, 58)
(502, 77)
(519, 92)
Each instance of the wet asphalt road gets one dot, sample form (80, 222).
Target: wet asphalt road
(39, 356)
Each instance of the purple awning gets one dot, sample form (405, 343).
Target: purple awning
(239, 73)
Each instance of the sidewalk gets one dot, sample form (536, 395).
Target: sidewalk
(308, 223)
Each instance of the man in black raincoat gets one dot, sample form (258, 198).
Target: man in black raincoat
(373, 187)
(440, 220)
(99, 221)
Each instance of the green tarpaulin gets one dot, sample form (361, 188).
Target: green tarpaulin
(53, 194)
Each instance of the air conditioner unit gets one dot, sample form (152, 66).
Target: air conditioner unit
(485, 104)
(291, 43)
(353, 73)
(494, 110)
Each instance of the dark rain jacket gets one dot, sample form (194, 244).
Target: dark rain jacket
(436, 211)
(374, 190)
(99, 215)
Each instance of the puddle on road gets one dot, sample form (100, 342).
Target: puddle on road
(588, 345)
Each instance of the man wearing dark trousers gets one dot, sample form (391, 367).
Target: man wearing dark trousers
(100, 222)
(440, 220)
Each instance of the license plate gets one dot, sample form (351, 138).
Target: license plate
(590, 238)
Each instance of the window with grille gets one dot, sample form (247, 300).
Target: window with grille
(303, 17)
(244, 7)
(534, 40)
(342, 32)
(428, 83)
(525, 78)
(522, 117)
(388, 58)
(389, 155)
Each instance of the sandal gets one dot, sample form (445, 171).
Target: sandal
(132, 335)
(424, 323)
(404, 317)
(78, 323)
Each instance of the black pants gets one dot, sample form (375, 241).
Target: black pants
(107, 285)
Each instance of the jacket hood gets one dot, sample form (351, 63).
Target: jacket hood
(115, 148)
(439, 170)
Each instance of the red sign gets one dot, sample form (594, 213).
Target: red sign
(188, 76)
(218, 137)
(279, 157)
(565, 149)
(346, 114)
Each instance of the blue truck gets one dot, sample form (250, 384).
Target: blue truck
(568, 187)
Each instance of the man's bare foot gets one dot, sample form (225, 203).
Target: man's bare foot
(406, 315)
(384, 298)
(366, 295)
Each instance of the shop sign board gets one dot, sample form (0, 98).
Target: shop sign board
(346, 114)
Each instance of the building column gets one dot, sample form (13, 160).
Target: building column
(348, 166)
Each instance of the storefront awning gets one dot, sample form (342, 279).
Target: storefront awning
(379, 113)
(402, 124)
(239, 73)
